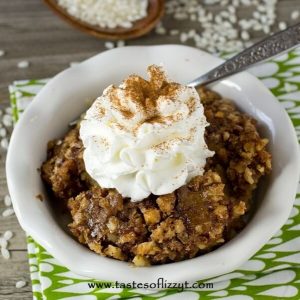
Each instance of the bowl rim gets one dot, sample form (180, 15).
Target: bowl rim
(169, 271)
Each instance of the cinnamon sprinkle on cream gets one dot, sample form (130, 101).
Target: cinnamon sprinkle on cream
(144, 127)
(139, 96)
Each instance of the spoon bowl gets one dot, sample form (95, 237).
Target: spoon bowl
(139, 27)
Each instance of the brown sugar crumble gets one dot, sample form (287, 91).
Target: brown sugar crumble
(193, 220)
(40, 197)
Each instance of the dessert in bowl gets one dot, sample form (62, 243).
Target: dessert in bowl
(156, 176)
(148, 180)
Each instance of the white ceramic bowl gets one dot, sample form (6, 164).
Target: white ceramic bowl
(63, 99)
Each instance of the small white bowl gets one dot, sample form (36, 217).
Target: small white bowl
(63, 99)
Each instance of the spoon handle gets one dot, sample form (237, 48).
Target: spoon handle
(271, 46)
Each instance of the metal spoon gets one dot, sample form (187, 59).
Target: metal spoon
(269, 47)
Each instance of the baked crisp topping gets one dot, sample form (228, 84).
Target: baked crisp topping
(194, 219)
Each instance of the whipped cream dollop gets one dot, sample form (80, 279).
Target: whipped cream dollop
(144, 136)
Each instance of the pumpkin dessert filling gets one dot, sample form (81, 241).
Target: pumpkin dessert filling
(157, 172)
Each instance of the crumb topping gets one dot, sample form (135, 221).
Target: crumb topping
(195, 219)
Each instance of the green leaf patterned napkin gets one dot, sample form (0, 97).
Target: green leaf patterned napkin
(273, 273)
